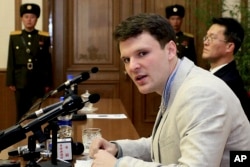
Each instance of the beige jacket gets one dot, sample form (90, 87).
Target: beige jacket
(201, 122)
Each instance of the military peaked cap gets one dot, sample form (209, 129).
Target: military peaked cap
(30, 8)
(175, 10)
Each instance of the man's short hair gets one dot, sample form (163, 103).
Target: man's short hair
(156, 25)
(234, 31)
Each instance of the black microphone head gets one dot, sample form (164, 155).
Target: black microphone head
(72, 102)
(94, 70)
(84, 76)
(93, 98)
(77, 148)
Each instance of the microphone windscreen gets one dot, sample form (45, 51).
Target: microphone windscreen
(93, 98)
(72, 102)
(84, 76)
(94, 70)
(77, 148)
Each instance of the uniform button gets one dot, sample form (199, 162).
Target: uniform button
(29, 43)
(29, 35)
(17, 47)
(177, 43)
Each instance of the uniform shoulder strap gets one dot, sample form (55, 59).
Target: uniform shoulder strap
(18, 32)
(188, 34)
(43, 33)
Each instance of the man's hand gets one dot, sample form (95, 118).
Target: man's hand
(12, 88)
(100, 143)
(103, 159)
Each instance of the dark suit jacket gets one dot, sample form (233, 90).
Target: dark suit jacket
(231, 76)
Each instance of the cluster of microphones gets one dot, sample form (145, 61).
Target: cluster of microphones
(71, 104)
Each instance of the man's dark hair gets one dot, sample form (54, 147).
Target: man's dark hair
(234, 32)
(154, 24)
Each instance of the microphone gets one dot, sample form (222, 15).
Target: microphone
(16, 133)
(77, 148)
(70, 104)
(41, 111)
(82, 77)
(94, 70)
(93, 98)
(11, 136)
(21, 149)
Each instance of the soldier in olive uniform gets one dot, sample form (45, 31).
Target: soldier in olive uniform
(29, 69)
(184, 41)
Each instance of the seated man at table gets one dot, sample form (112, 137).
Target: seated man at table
(221, 43)
(200, 120)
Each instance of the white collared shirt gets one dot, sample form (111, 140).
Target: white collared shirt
(216, 68)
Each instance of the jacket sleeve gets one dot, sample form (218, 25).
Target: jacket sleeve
(10, 65)
(49, 64)
(136, 153)
(140, 148)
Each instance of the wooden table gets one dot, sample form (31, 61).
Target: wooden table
(112, 129)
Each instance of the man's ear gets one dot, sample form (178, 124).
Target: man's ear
(230, 47)
(171, 49)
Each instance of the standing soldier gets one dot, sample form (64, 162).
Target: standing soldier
(184, 41)
(29, 71)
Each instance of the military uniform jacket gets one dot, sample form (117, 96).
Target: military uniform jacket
(185, 46)
(29, 59)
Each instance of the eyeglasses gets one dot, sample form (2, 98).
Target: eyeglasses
(210, 39)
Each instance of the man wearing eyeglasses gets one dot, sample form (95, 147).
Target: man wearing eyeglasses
(222, 41)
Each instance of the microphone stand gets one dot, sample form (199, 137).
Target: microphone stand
(84, 76)
(32, 154)
(16, 133)
(38, 104)
(54, 162)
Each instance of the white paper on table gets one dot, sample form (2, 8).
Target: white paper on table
(83, 163)
(107, 116)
